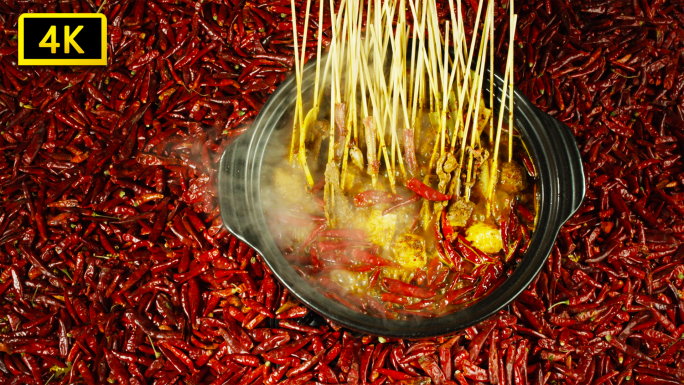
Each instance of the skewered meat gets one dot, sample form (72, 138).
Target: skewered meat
(459, 212)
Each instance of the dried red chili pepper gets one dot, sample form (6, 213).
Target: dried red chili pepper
(628, 127)
(401, 288)
(425, 191)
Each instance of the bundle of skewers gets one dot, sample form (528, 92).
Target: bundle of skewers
(429, 72)
(399, 101)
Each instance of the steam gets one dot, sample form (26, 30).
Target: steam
(296, 216)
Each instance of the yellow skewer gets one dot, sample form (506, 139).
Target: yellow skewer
(319, 43)
(310, 116)
(375, 104)
(473, 104)
(512, 93)
(299, 81)
(509, 72)
(460, 101)
(466, 74)
(491, 71)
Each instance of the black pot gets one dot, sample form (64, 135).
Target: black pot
(561, 189)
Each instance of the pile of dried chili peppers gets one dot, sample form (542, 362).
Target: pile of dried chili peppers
(115, 267)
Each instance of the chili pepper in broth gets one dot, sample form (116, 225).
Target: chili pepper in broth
(425, 191)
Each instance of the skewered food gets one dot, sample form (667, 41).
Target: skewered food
(419, 208)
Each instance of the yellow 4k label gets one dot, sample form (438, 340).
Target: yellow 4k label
(62, 39)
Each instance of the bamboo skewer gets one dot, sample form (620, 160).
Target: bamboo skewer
(466, 76)
(466, 85)
(512, 92)
(459, 64)
(412, 77)
(370, 75)
(298, 80)
(383, 148)
(507, 75)
(319, 43)
(334, 83)
(491, 72)
(459, 33)
(421, 39)
(383, 102)
(354, 28)
(313, 113)
(376, 103)
(445, 93)
(418, 78)
(396, 73)
(474, 104)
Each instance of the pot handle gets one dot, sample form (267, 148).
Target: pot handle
(572, 186)
(233, 202)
